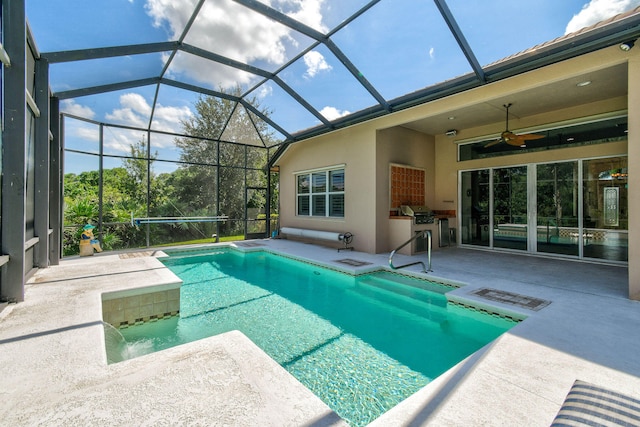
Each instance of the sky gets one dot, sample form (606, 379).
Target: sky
(399, 46)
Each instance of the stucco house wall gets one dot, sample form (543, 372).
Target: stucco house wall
(355, 149)
(402, 146)
(367, 149)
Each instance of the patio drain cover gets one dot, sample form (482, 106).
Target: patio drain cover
(512, 298)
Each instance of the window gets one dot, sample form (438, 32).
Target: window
(321, 193)
(589, 131)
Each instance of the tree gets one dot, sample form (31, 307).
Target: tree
(124, 190)
(210, 160)
(215, 158)
(139, 176)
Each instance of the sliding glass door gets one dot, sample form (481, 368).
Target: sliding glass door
(475, 208)
(575, 208)
(510, 208)
(557, 208)
(605, 188)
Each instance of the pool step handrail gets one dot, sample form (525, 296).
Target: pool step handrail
(423, 234)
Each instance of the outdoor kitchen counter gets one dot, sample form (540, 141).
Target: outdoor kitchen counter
(402, 228)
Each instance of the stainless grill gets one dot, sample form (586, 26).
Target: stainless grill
(420, 214)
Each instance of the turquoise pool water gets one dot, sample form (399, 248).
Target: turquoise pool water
(362, 344)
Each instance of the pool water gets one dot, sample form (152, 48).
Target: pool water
(362, 344)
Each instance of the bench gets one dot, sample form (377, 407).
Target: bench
(346, 238)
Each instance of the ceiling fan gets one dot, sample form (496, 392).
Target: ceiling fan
(511, 138)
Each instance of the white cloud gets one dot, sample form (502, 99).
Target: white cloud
(70, 106)
(332, 113)
(315, 63)
(79, 134)
(432, 52)
(86, 132)
(135, 111)
(598, 10)
(264, 91)
(136, 102)
(231, 30)
(121, 140)
(308, 12)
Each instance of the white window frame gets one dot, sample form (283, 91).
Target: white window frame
(327, 193)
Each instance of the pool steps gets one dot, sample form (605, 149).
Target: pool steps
(412, 300)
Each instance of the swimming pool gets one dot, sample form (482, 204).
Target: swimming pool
(360, 343)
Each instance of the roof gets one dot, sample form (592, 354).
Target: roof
(312, 66)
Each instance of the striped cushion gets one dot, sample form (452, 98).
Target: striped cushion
(588, 405)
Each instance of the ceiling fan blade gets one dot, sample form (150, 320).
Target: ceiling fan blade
(492, 143)
(520, 140)
(530, 136)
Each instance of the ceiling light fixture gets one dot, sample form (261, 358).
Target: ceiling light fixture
(626, 46)
(584, 83)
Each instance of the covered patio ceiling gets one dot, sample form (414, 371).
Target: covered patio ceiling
(606, 83)
(313, 66)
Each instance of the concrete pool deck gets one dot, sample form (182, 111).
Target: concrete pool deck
(54, 371)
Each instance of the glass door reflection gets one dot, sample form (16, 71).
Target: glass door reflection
(557, 208)
(605, 214)
(510, 208)
(475, 207)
